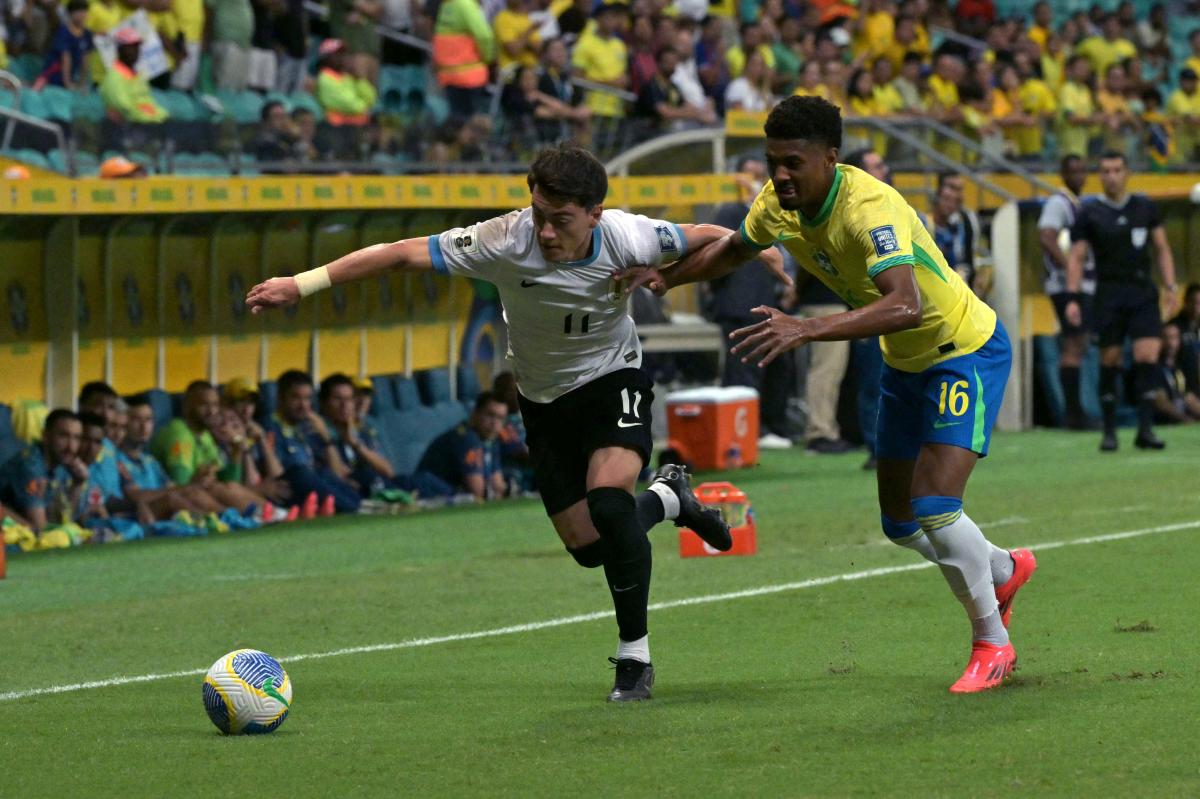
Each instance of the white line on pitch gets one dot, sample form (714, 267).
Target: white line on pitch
(584, 617)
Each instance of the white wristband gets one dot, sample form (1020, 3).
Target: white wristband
(313, 280)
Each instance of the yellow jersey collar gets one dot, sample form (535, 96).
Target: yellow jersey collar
(827, 206)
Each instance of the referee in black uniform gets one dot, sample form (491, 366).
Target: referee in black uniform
(1119, 227)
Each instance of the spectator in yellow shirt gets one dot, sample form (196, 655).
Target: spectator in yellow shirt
(1036, 99)
(1077, 109)
(1117, 119)
(811, 84)
(752, 39)
(1042, 27)
(1183, 110)
(876, 28)
(1108, 48)
(516, 36)
(906, 38)
(600, 56)
(887, 96)
(948, 71)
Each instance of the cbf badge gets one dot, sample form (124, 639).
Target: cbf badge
(884, 239)
(1138, 236)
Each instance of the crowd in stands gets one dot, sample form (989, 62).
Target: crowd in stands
(120, 469)
(470, 81)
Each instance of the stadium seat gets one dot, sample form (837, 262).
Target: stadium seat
(307, 101)
(89, 107)
(177, 403)
(160, 405)
(59, 103)
(244, 108)
(178, 105)
(9, 445)
(408, 398)
(434, 385)
(26, 67)
(268, 398)
(34, 104)
(31, 157)
(8, 99)
(86, 164)
(468, 384)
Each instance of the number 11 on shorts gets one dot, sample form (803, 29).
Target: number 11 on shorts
(955, 395)
(626, 409)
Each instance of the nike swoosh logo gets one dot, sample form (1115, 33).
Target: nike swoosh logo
(623, 590)
(527, 283)
(939, 424)
(269, 689)
(623, 423)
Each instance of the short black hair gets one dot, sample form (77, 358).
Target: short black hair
(1109, 155)
(945, 176)
(96, 388)
(290, 379)
(89, 419)
(569, 172)
(332, 382)
(199, 385)
(1075, 58)
(1190, 289)
(138, 400)
(812, 118)
(487, 398)
(913, 55)
(1067, 160)
(268, 107)
(57, 415)
(857, 158)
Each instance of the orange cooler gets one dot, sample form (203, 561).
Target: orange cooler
(735, 509)
(714, 428)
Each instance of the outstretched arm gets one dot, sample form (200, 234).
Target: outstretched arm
(898, 309)
(714, 252)
(276, 292)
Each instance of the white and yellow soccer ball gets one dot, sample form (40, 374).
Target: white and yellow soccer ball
(247, 692)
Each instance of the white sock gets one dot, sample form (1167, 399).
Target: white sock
(634, 650)
(1002, 564)
(920, 544)
(964, 556)
(670, 502)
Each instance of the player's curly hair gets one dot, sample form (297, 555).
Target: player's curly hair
(811, 118)
(569, 172)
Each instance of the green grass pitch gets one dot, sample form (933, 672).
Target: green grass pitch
(831, 690)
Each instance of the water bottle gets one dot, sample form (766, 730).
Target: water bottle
(733, 456)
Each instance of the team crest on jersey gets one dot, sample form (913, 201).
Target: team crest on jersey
(825, 263)
(885, 240)
(466, 242)
(666, 239)
(1138, 236)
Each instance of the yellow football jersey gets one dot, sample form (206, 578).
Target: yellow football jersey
(864, 228)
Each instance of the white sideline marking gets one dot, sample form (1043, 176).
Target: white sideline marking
(584, 617)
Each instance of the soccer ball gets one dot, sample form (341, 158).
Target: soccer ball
(247, 692)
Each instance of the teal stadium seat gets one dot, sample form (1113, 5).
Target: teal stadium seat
(86, 164)
(87, 107)
(244, 108)
(307, 101)
(8, 98)
(59, 103)
(34, 104)
(31, 157)
(178, 105)
(468, 384)
(27, 67)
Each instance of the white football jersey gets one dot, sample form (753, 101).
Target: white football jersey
(567, 323)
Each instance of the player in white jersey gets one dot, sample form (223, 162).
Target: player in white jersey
(585, 402)
(1054, 234)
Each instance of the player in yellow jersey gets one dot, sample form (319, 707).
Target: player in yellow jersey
(946, 355)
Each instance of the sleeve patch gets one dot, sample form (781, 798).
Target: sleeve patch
(885, 241)
(466, 241)
(666, 238)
